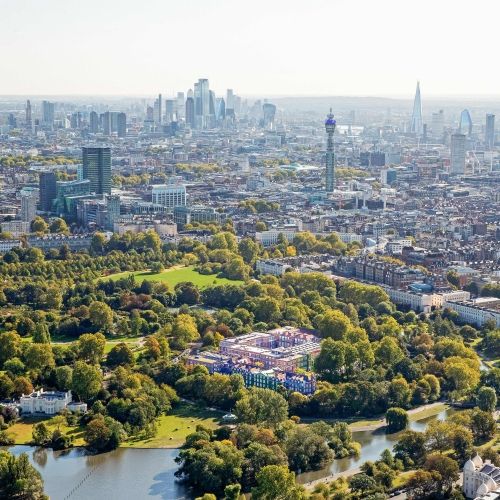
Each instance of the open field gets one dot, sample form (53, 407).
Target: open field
(173, 428)
(176, 275)
(22, 431)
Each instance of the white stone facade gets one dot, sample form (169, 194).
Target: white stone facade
(481, 479)
(49, 403)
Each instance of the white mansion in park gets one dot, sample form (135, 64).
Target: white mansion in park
(49, 403)
(481, 479)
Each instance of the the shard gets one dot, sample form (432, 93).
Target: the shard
(416, 126)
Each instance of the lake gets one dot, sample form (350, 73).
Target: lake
(122, 474)
(129, 473)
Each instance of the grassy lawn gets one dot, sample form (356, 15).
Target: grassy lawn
(22, 431)
(134, 345)
(428, 412)
(174, 276)
(173, 428)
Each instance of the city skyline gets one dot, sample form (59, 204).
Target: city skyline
(363, 57)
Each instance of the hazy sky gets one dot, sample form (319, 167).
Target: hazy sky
(257, 47)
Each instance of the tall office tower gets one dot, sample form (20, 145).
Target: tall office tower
(106, 123)
(489, 131)
(121, 124)
(205, 98)
(220, 108)
(150, 114)
(211, 109)
(113, 210)
(11, 121)
(416, 126)
(437, 124)
(465, 125)
(93, 122)
(190, 117)
(269, 111)
(158, 110)
(229, 99)
(97, 168)
(29, 200)
(457, 159)
(330, 125)
(170, 110)
(47, 186)
(29, 120)
(48, 114)
(181, 108)
(76, 120)
(198, 107)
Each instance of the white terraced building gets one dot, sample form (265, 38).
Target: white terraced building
(477, 311)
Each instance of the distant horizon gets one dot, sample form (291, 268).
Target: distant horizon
(425, 97)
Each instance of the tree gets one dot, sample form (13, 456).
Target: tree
(101, 315)
(87, 380)
(91, 347)
(388, 352)
(184, 329)
(275, 482)
(331, 361)
(399, 393)
(187, 293)
(482, 424)
(258, 455)
(444, 471)
(41, 334)
(38, 225)
(10, 346)
(249, 250)
(120, 355)
(210, 466)
(22, 385)
(64, 377)
(397, 419)
(462, 373)
(232, 492)
(39, 357)
(6, 386)
(334, 324)
(236, 269)
(411, 447)
(58, 225)
(41, 434)
(25, 326)
(262, 406)
(19, 479)
(422, 484)
(487, 399)
(361, 483)
(103, 434)
(307, 450)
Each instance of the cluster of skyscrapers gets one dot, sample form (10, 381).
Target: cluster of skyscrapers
(461, 140)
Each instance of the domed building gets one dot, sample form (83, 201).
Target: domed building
(481, 479)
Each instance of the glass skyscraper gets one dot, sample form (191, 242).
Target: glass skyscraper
(97, 168)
